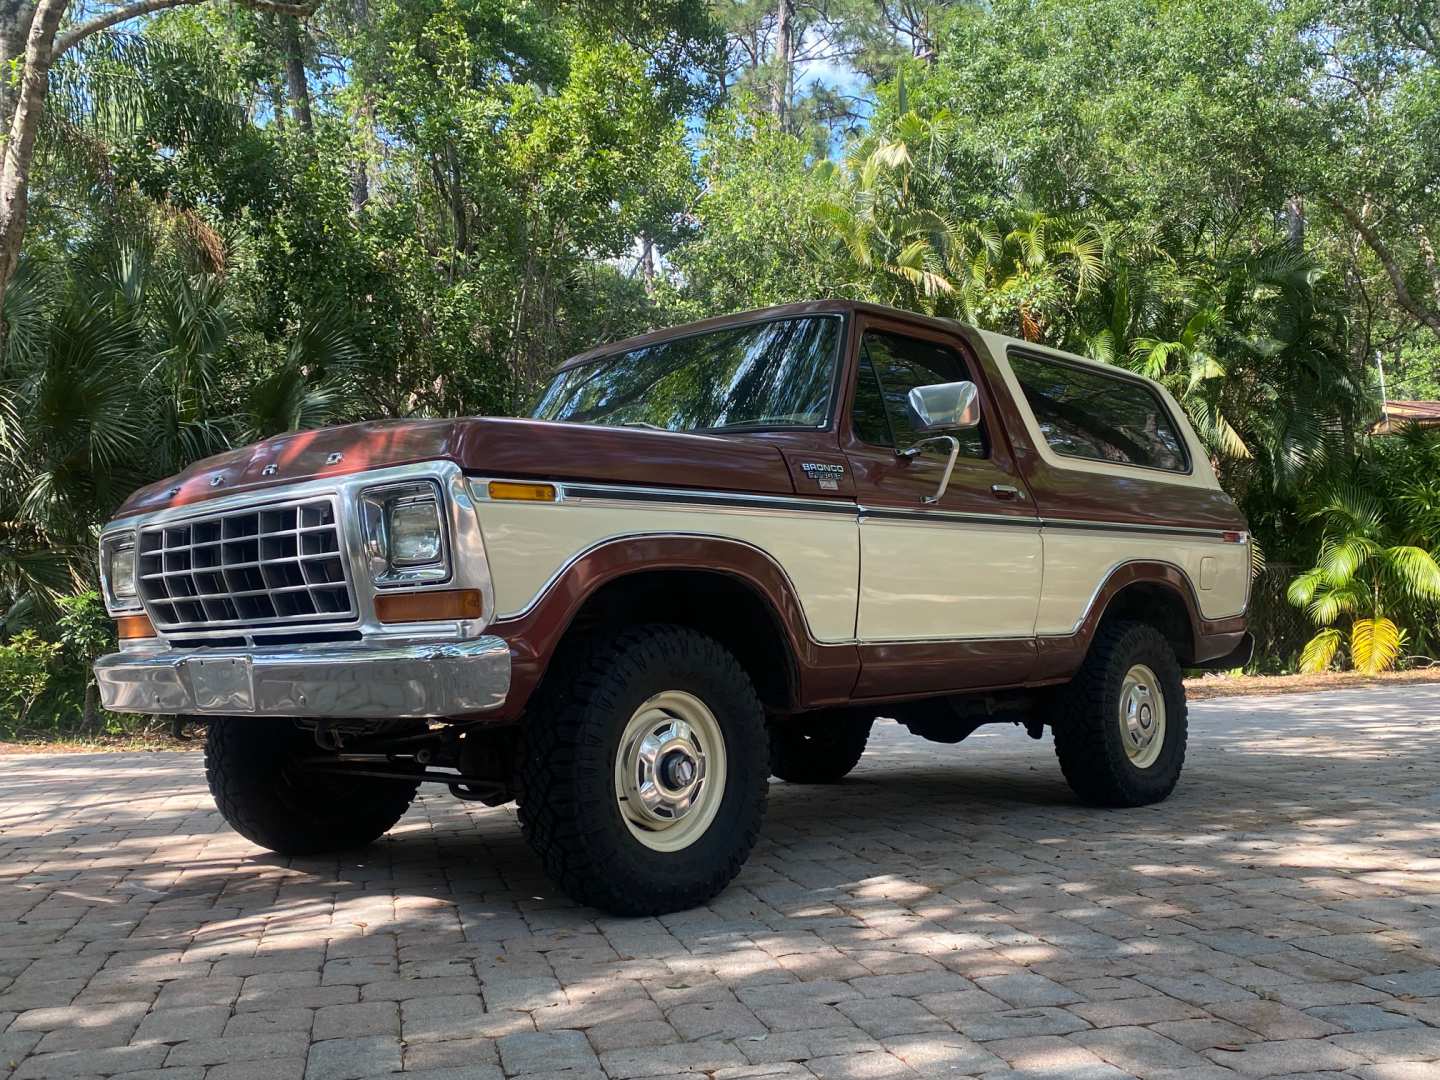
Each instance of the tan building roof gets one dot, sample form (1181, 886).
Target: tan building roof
(1398, 413)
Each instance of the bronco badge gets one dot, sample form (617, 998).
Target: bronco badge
(827, 476)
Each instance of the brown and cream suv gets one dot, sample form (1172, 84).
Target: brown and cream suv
(713, 554)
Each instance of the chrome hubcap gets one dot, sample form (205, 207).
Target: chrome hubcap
(1142, 716)
(670, 771)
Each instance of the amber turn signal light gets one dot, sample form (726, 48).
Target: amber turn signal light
(429, 606)
(510, 489)
(132, 627)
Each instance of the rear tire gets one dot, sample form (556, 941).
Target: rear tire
(645, 772)
(1121, 725)
(818, 750)
(251, 765)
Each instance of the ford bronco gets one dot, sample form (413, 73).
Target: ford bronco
(713, 554)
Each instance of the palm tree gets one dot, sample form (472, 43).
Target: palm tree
(902, 219)
(1366, 572)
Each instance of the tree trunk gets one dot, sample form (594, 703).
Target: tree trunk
(457, 200)
(1427, 316)
(15, 19)
(360, 166)
(297, 86)
(20, 143)
(784, 57)
(1432, 265)
(647, 267)
(90, 712)
(1295, 222)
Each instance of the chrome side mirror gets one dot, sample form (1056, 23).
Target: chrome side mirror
(951, 406)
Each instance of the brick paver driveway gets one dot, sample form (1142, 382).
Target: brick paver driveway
(947, 911)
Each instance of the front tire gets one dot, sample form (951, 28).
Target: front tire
(252, 767)
(644, 775)
(1121, 724)
(818, 749)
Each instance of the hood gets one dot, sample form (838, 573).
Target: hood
(535, 449)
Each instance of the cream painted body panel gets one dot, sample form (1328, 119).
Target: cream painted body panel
(528, 544)
(947, 579)
(1077, 563)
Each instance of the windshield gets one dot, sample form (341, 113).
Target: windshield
(762, 376)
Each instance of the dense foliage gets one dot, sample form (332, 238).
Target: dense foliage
(242, 222)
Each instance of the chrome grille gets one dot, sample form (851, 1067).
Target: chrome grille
(264, 565)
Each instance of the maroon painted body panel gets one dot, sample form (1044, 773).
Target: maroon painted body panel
(502, 447)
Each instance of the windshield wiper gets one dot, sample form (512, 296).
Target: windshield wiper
(643, 424)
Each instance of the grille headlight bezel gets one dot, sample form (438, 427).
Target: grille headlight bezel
(378, 507)
(118, 582)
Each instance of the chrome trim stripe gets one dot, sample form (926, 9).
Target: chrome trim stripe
(699, 497)
(952, 517)
(739, 500)
(1115, 526)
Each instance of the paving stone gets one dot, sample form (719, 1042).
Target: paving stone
(872, 1066)
(626, 1034)
(453, 1053)
(1361, 1017)
(1274, 1020)
(85, 1038)
(544, 1051)
(720, 1019)
(1405, 1044)
(1026, 988)
(272, 1020)
(79, 1063)
(803, 1045)
(706, 1056)
(1136, 1012)
(284, 1068)
(456, 1072)
(352, 1059)
(1020, 1024)
(1204, 1034)
(187, 1072)
(1397, 1070)
(187, 1022)
(1285, 1056)
(67, 1017)
(942, 1054)
(353, 1020)
(238, 1048)
(1137, 1050)
(885, 1017)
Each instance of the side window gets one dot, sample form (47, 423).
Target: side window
(1085, 413)
(891, 365)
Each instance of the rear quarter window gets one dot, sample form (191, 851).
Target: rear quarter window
(1095, 416)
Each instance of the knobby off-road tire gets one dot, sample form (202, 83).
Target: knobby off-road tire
(593, 715)
(250, 764)
(818, 750)
(1130, 665)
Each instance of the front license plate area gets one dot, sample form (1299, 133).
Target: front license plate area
(221, 684)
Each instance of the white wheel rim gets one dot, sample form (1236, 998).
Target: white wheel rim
(670, 771)
(1142, 716)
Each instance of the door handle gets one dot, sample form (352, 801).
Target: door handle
(1006, 491)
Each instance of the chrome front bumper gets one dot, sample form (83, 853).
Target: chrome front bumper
(353, 680)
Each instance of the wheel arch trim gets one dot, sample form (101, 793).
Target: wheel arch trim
(820, 673)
